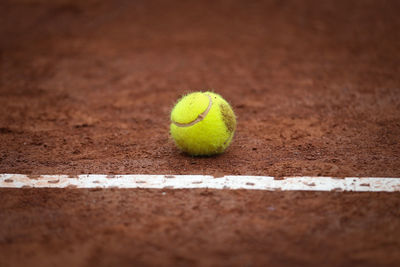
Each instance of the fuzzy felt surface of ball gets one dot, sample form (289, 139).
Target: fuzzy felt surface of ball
(202, 124)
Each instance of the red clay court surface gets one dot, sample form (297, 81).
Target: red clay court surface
(87, 87)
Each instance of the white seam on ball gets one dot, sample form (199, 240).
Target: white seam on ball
(199, 118)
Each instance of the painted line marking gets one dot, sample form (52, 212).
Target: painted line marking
(355, 184)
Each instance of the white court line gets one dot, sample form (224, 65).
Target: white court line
(357, 184)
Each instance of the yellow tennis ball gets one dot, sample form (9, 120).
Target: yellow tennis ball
(202, 123)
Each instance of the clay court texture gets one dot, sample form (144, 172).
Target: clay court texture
(87, 88)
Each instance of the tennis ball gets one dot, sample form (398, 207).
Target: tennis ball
(202, 123)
